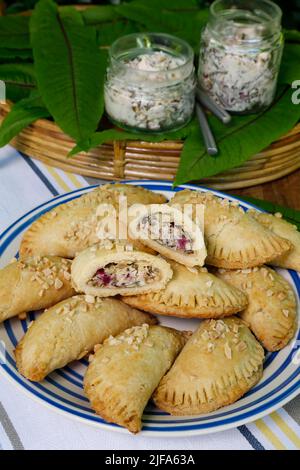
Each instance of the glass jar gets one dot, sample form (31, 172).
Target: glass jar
(150, 84)
(240, 54)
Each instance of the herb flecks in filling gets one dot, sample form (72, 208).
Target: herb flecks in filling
(125, 274)
(167, 233)
(158, 96)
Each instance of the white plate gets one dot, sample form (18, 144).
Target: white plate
(62, 390)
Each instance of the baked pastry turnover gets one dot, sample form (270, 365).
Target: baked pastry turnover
(284, 229)
(192, 292)
(116, 268)
(217, 366)
(233, 238)
(126, 370)
(70, 330)
(170, 232)
(271, 312)
(72, 227)
(32, 284)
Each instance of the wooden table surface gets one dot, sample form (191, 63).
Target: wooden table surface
(284, 191)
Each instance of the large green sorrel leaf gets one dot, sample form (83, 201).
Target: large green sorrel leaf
(14, 32)
(22, 114)
(19, 79)
(69, 67)
(238, 141)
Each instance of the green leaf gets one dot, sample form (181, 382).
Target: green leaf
(14, 32)
(171, 5)
(22, 114)
(109, 32)
(99, 14)
(100, 138)
(70, 68)
(19, 79)
(291, 215)
(292, 35)
(238, 141)
(186, 24)
(13, 54)
(290, 66)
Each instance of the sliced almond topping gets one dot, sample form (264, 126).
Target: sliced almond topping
(270, 293)
(227, 350)
(281, 296)
(58, 284)
(242, 346)
(67, 275)
(285, 312)
(47, 271)
(90, 299)
(105, 360)
(246, 271)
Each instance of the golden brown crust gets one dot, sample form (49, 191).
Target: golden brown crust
(32, 284)
(233, 238)
(89, 261)
(284, 229)
(71, 227)
(70, 330)
(135, 194)
(218, 365)
(191, 293)
(271, 312)
(126, 370)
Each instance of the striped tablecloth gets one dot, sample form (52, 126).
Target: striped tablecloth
(26, 424)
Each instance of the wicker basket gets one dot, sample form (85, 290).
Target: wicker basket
(44, 141)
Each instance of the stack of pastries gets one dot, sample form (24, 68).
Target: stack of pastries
(101, 297)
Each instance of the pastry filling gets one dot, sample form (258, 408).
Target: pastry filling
(167, 233)
(125, 274)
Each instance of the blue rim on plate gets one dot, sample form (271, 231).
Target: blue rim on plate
(62, 390)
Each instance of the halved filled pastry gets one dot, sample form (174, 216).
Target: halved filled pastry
(119, 269)
(217, 366)
(72, 227)
(127, 369)
(284, 229)
(192, 292)
(233, 238)
(70, 330)
(170, 232)
(33, 283)
(271, 313)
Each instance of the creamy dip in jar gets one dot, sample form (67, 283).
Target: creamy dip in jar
(240, 54)
(150, 83)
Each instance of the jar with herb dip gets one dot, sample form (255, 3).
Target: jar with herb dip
(240, 54)
(150, 84)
